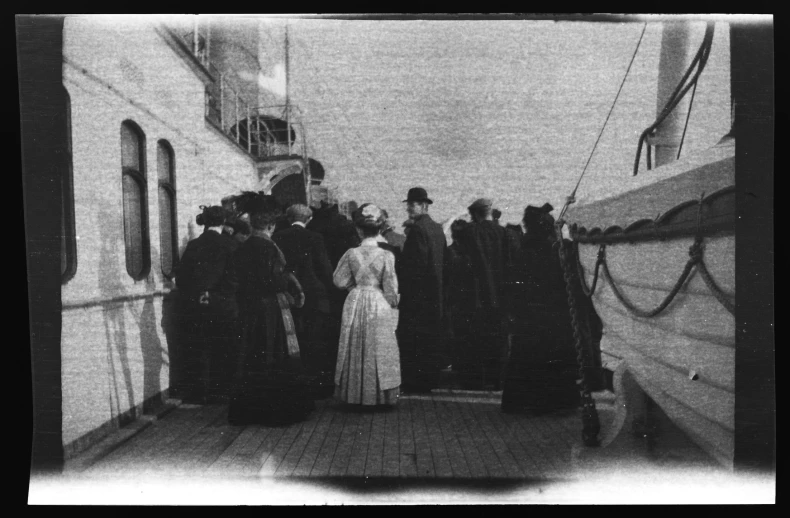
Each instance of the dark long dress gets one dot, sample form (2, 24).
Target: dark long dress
(542, 368)
(269, 387)
(208, 316)
(487, 247)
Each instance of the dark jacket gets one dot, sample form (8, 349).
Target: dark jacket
(488, 248)
(259, 272)
(306, 257)
(421, 273)
(395, 252)
(206, 266)
(339, 233)
(394, 239)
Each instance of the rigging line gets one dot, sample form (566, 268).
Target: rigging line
(573, 194)
(699, 61)
(686, 125)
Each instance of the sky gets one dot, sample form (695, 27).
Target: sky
(507, 110)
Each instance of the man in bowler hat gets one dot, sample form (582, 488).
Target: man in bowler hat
(420, 277)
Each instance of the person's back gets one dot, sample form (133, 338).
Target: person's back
(307, 258)
(368, 366)
(487, 248)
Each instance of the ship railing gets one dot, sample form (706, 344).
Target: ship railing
(261, 131)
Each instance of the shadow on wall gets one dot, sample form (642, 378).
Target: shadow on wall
(111, 268)
(154, 354)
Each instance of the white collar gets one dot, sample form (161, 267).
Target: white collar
(380, 239)
(301, 224)
(370, 241)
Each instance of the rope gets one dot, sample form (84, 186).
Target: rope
(695, 253)
(582, 280)
(620, 89)
(686, 125)
(591, 425)
(713, 287)
(701, 58)
(695, 259)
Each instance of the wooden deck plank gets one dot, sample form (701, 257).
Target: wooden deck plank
(374, 464)
(227, 456)
(457, 458)
(306, 463)
(553, 445)
(521, 428)
(359, 452)
(441, 459)
(493, 466)
(425, 466)
(213, 448)
(179, 459)
(299, 445)
(175, 451)
(474, 460)
(337, 451)
(391, 465)
(529, 466)
(251, 456)
(407, 459)
(326, 454)
(276, 456)
(138, 452)
(501, 448)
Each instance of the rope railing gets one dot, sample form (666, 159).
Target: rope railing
(696, 252)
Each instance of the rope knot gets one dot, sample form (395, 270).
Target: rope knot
(602, 253)
(695, 250)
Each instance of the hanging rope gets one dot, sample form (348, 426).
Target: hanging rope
(686, 125)
(695, 253)
(582, 279)
(701, 58)
(695, 259)
(572, 197)
(591, 425)
(714, 288)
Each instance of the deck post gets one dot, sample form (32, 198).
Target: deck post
(755, 386)
(42, 105)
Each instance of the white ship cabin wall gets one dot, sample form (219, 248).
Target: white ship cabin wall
(117, 347)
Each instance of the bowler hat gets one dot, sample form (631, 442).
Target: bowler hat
(417, 194)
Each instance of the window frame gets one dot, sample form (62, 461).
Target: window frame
(140, 177)
(67, 200)
(169, 187)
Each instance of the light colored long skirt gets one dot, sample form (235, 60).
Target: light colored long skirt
(368, 361)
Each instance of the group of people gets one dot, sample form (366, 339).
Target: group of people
(279, 308)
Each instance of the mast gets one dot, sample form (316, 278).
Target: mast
(287, 90)
(673, 62)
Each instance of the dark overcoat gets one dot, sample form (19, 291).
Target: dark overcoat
(307, 258)
(420, 274)
(206, 266)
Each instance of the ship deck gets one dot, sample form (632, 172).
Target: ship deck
(446, 447)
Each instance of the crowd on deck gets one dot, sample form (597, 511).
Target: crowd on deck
(282, 306)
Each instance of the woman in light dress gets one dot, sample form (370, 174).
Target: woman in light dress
(368, 361)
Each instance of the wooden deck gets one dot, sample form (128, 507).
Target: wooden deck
(425, 437)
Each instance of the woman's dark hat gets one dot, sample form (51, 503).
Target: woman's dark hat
(417, 194)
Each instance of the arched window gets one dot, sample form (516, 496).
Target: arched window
(135, 213)
(168, 230)
(68, 239)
